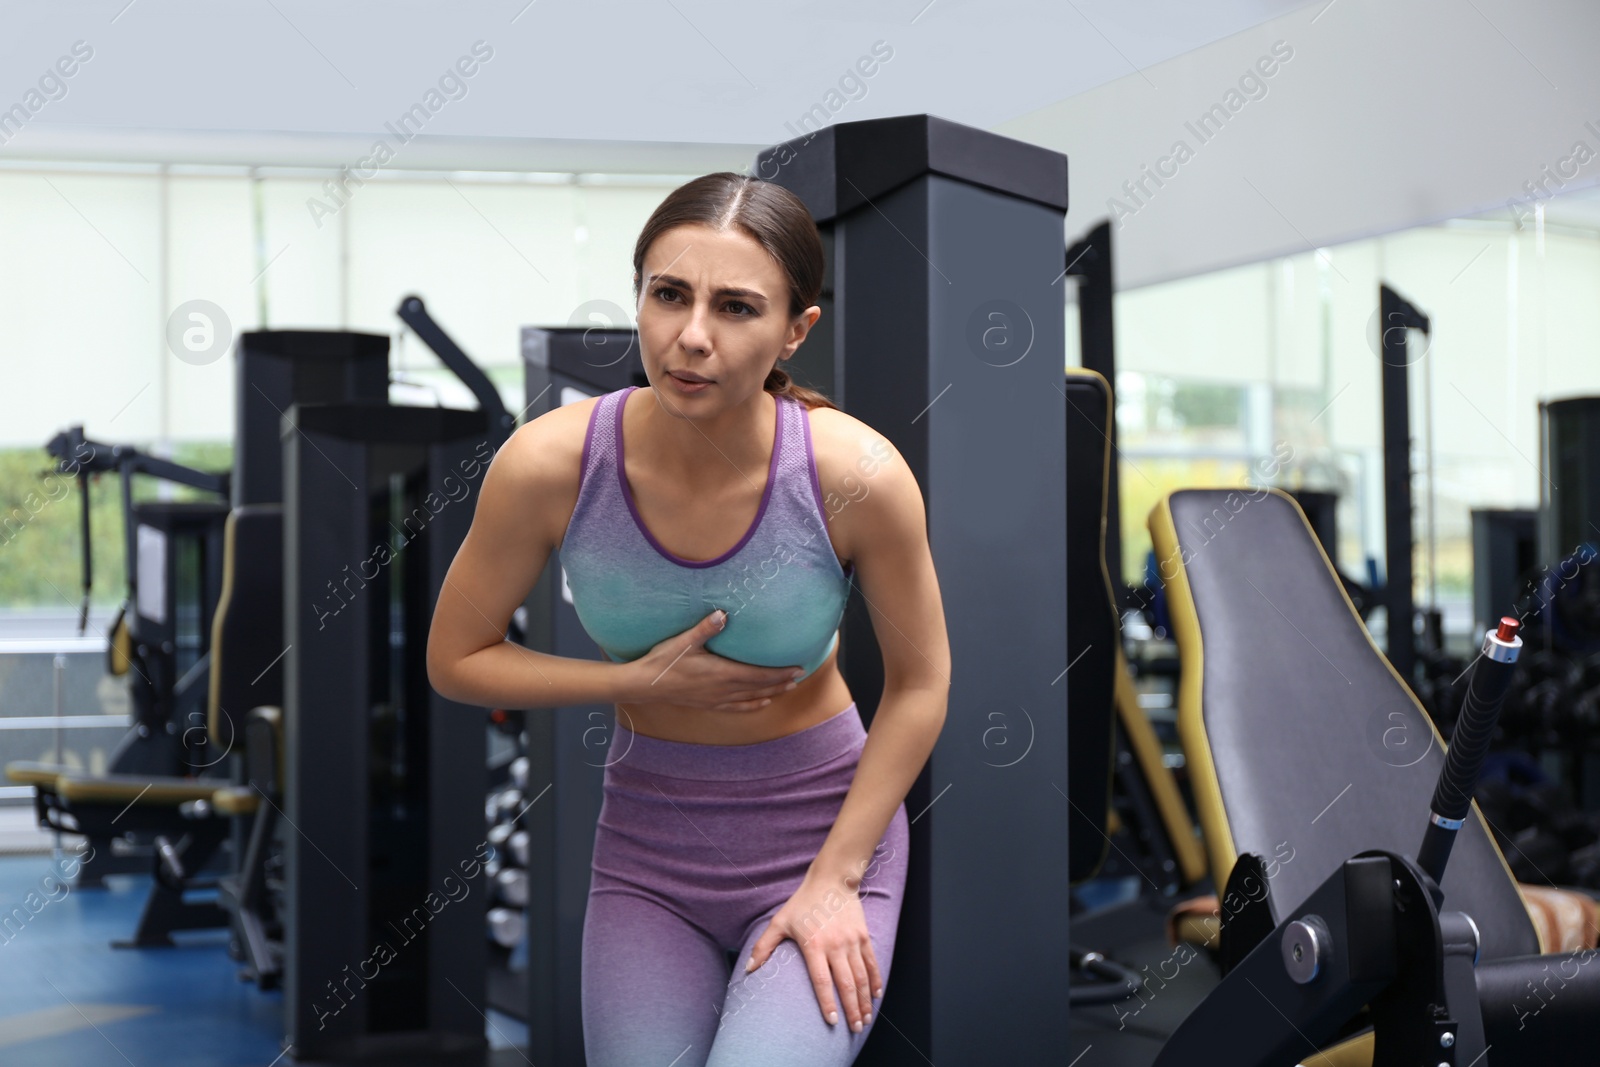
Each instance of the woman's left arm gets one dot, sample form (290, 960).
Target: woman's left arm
(887, 534)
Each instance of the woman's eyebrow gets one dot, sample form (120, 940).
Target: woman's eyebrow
(673, 280)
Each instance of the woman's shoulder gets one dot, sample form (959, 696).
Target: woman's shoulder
(846, 448)
(865, 483)
(869, 492)
(552, 443)
(541, 463)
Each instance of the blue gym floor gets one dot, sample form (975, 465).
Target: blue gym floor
(68, 999)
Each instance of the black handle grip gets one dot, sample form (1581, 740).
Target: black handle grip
(1480, 711)
(1486, 693)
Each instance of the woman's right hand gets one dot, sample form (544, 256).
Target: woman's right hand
(680, 671)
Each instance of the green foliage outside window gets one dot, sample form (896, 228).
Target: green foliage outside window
(41, 525)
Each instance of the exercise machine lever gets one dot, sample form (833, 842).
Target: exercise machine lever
(1469, 744)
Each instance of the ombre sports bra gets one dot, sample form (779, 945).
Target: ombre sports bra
(781, 585)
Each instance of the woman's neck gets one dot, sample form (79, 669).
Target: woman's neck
(705, 453)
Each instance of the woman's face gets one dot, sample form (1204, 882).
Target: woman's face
(714, 305)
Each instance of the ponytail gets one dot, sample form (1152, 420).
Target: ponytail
(779, 383)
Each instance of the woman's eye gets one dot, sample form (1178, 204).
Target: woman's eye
(741, 309)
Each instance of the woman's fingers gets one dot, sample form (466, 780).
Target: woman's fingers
(765, 693)
(767, 687)
(750, 699)
(874, 976)
(764, 945)
(844, 976)
(821, 980)
(858, 969)
(756, 686)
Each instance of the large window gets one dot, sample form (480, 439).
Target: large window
(96, 260)
(1218, 372)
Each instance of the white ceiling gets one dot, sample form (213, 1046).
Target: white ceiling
(1386, 117)
(700, 82)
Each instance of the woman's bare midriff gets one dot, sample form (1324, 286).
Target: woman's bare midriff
(820, 697)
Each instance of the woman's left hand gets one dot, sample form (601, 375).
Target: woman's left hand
(824, 917)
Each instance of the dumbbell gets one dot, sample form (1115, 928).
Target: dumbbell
(1584, 867)
(1541, 682)
(508, 803)
(513, 886)
(519, 847)
(506, 927)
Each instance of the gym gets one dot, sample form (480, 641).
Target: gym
(1080, 548)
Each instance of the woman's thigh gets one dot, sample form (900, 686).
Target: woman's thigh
(771, 1017)
(653, 985)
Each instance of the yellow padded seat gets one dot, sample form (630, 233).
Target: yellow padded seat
(236, 800)
(36, 774)
(131, 788)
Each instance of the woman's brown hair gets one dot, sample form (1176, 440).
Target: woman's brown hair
(772, 215)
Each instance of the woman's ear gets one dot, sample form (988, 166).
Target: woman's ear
(801, 326)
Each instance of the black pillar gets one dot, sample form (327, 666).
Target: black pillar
(948, 331)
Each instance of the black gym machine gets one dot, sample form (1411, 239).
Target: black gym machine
(313, 420)
(1382, 902)
(381, 937)
(160, 637)
(1375, 933)
(1538, 563)
(1544, 789)
(356, 891)
(506, 870)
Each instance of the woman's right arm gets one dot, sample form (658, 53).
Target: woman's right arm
(515, 527)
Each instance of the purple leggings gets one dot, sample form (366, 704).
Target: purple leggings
(697, 847)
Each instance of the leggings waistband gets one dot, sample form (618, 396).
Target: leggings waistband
(816, 744)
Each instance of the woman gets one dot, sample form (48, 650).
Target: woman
(710, 528)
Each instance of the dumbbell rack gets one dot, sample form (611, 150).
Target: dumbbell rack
(506, 878)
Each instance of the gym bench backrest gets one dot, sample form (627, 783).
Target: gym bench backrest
(1304, 746)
